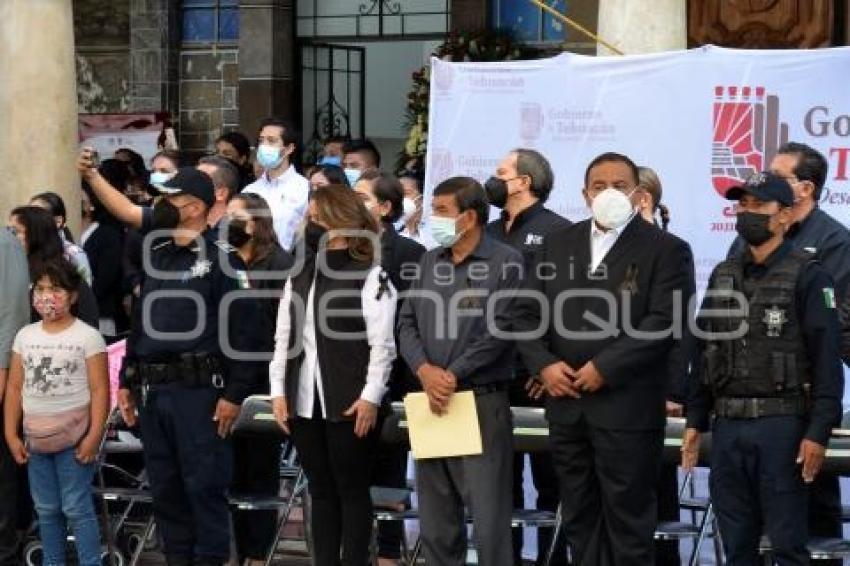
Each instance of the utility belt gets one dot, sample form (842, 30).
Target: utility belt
(757, 407)
(192, 370)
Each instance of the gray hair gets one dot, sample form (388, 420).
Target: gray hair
(225, 174)
(532, 163)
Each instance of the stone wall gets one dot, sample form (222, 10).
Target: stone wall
(209, 97)
(102, 38)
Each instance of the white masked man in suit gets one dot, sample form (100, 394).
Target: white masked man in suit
(613, 286)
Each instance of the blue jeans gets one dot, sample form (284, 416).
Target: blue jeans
(61, 489)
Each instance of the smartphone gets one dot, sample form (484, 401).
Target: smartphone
(94, 155)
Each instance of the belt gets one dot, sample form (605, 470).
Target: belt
(163, 374)
(486, 388)
(757, 407)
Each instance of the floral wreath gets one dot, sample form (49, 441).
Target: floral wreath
(478, 46)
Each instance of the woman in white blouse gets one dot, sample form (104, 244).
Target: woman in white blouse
(334, 350)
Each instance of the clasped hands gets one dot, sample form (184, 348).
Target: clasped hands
(439, 385)
(560, 380)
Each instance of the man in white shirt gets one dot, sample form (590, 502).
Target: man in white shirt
(280, 185)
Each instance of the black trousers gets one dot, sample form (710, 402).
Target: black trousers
(667, 551)
(825, 511)
(8, 502)
(338, 468)
(608, 482)
(190, 470)
(256, 471)
(389, 469)
(757, 488)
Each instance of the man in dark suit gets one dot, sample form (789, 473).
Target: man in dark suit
(612, 286)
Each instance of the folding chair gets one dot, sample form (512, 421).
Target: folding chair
(257, 418)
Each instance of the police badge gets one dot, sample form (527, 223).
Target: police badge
(775, 319)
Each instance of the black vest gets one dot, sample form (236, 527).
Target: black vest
(342, 353)
(770, 359)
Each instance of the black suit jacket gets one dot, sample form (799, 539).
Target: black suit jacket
(638, 279)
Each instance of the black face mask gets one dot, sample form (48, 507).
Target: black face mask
(497, 191)
(313, 235)
(166, 216)
(754, 228)
(237, 235)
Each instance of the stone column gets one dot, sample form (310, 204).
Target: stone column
(643, 26)
(38, 103)
(267, 62)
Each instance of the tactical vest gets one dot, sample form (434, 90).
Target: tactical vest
(770, 359)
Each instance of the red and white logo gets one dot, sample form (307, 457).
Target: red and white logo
(747, 133)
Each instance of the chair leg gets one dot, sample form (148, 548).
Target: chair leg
(703, 529)
(556, 534)
(719, 556)
(297, 487)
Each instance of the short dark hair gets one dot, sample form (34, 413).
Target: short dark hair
(469, 195)
(811, 165)
(136, 163)
(289, 133)
(386, 188)
(225, 175)
(333, 173)
(532, 163)
(239, 142)
(170, 154)
(363, 145)
(60, 272)
(612, 157)
(116, 172)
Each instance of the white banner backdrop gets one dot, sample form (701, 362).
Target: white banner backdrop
(704, 119)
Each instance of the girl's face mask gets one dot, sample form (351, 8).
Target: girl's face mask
(52, 305)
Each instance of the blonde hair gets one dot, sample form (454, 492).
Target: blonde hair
(341, 209)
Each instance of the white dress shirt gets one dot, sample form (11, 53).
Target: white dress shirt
(379, 315)
(601, 242)
(287, 197)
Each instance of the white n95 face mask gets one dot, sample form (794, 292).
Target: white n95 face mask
(612, 209)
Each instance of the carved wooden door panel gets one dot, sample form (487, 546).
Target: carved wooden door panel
(761, 23)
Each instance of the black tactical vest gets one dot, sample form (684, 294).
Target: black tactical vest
(770, 359)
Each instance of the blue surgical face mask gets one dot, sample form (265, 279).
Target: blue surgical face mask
(331, 160)
(159, 177)
(444, 231)
(352, 175)
(269, 157)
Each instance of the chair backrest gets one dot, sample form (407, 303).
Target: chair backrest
(257, 419)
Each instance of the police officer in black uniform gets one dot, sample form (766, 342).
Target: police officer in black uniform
(816, 232)
(184, 375)
(520, 187)
(772, 376)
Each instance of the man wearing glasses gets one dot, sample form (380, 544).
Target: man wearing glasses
(818, 233)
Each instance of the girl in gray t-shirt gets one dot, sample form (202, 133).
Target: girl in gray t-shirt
(59, 385)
